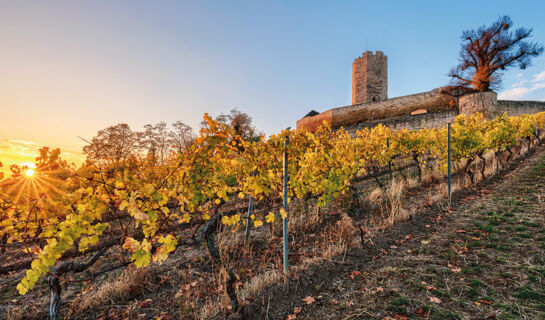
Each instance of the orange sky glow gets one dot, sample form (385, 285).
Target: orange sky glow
(22, 153)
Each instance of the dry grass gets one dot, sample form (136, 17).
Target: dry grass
(376, 196)
(210, 309)
(394, 196)
(305, 219)
(253, 287)
(331, 251)
(411, 182)
(129, 284)
(345, 230)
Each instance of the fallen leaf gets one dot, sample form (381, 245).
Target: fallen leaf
(425, 241)
(380, 289)
(146, 303)
(297, 310)
(308, 300)
(486, 301)
(435, 300)
(421, 312)
(291, 317)
(355, 274)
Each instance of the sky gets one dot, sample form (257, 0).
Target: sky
(71, 68)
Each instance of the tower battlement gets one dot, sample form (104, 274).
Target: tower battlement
(370, 78)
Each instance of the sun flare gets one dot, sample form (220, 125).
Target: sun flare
(29, 172)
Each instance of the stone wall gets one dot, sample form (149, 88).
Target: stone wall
(349, 116)
(483, 102)
(436, 119)
(517, 108)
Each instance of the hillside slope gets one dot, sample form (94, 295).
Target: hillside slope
(485, 259)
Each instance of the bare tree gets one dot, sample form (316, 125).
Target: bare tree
(489, 50)
(241, 123)
(113, 145)
(181, 135)
(155, 142)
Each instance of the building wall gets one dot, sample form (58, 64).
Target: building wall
(313, 123)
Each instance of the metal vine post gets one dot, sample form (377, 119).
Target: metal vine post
(449, 167)
(285, 202)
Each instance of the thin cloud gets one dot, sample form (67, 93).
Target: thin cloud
(519, 84)
(514, 94)
(539, 77)
(520, 91)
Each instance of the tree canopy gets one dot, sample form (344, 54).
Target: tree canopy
(489, 50)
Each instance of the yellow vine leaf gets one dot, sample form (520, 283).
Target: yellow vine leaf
(169, 244)
(131, 244)
(123, 205)
(283, 213)
(22, 289)
(141, 258)
(258, 223)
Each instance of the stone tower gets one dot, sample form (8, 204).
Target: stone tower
(370, 78)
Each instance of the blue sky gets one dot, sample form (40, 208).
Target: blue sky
(72, 68)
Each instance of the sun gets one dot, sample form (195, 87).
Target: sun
(29, 172)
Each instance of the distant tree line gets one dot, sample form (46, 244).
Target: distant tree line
(157, 142)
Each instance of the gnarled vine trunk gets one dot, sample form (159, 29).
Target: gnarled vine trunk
(480, 155)
(208, 232)
(54, 281)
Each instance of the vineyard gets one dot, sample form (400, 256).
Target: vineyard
(71, 225)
